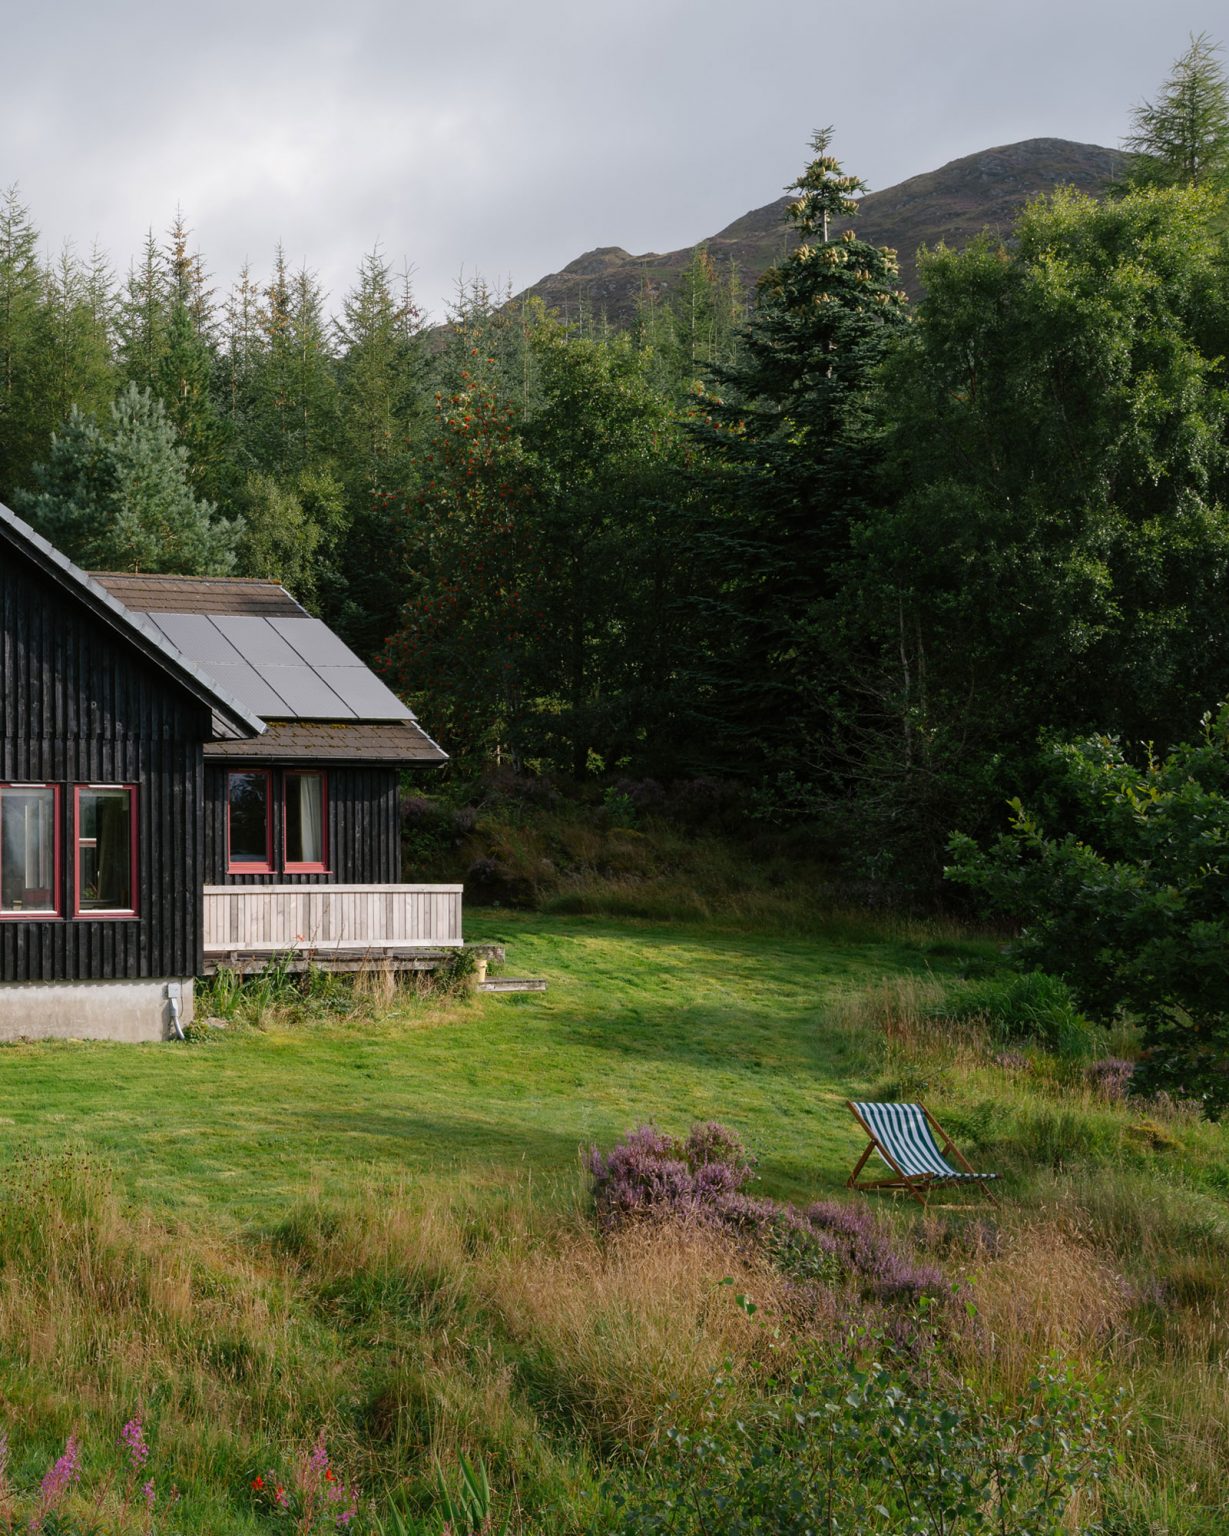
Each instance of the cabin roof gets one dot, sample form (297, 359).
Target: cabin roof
(287, 667)
(155, 593)
(358, 741)
(231, 716)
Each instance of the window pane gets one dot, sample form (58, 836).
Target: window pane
(249, 818)
(304, 818)
(27, 850)
(104, 850)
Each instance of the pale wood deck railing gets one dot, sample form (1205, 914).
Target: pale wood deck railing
(273, 918)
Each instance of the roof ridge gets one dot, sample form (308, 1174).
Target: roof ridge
(259, 581)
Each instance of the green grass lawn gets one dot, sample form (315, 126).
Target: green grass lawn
(641, 1022)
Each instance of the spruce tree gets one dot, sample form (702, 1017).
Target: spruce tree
(73, 363)
(20, 293)
(793, 425)
(290, 424)
(143, 315)
(380, 376)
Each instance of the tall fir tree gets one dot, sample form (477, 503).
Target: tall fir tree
(73, 362)
(291, 424)
(20, 295)
(142, 318)
(381, 376)
(792, 423)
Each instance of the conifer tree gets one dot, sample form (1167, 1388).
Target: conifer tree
(239, 354)
(380, 375)
(793, 424)
(142, 316)
(72, 361)
(116, 494)
(1182, 137)
(291, 420)
(20, 293)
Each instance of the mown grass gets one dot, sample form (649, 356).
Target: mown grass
(372, 1220)
(640, 1021)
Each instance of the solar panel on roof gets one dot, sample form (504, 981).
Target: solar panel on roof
(365, 693)
(257, 640)
(307, 694)
(194, 634)
(248, 686)
(316, 643)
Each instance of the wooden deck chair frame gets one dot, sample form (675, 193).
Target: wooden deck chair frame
(920, 1186)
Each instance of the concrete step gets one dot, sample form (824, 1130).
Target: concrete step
(512, 984)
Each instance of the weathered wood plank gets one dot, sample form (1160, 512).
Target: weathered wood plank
(283, 918)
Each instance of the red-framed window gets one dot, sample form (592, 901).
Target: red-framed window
(305, 822)
(249, 822)
(105, 840)
(29, 851)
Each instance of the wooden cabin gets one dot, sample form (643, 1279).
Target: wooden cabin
(192, 772)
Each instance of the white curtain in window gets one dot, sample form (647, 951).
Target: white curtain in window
(311, 818)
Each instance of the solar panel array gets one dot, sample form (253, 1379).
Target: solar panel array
(282, 668)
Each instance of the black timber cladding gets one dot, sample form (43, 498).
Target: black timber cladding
(363, 821)
(79, 705)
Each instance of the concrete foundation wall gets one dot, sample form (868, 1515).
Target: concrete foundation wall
(92, 1010)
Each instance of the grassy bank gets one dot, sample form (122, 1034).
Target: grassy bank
(371, 1220)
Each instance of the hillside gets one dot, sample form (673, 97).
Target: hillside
(952, 204)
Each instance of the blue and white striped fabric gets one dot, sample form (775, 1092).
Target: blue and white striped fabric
(904, 1131)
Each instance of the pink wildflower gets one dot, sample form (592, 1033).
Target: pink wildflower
(133, 1437)
(63, 1473)
(319, 1459)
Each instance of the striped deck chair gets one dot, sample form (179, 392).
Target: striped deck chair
(903, 1138)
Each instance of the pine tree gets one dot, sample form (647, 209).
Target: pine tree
(116, 495)
(691, 330)
(240, 351)
(1182, 138)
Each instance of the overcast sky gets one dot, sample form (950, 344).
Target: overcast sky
(507, 138)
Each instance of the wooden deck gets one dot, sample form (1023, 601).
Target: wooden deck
(367, 920)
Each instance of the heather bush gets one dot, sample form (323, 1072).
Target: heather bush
(1110, 1077)
(702, 1178)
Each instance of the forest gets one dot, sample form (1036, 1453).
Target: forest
(865, 559)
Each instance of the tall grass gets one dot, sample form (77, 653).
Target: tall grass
(1108, 1250)
(410, 1329)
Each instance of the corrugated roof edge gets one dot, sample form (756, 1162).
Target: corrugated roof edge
(135, 625)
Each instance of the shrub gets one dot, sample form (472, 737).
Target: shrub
(1029, 1008)
(650, 1175)
(1110, 1078)
(1122, 892)
(855, 1439)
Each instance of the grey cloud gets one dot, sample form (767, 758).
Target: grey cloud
(507, 139)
